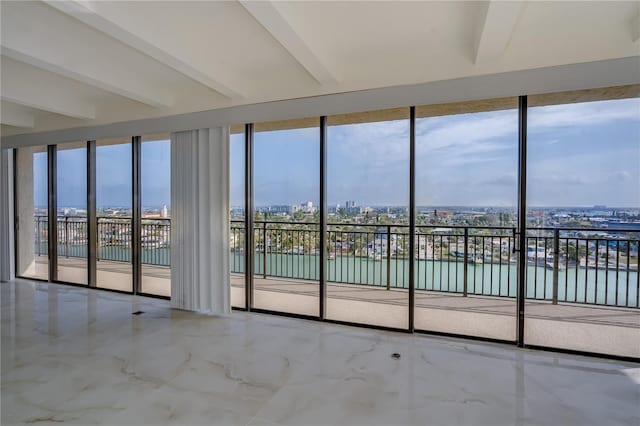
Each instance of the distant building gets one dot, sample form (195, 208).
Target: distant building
(350, 207)
(164, 213)
(282, 209)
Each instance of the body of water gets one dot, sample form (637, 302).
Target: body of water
(575, 284)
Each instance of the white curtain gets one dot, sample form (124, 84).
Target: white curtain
(200, 220)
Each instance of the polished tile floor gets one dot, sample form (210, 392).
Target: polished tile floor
(79, 356)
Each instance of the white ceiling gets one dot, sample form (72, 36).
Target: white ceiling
(85, 63)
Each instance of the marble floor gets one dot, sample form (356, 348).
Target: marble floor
(78, 356)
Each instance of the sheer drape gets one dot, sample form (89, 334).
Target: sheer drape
(200, 220)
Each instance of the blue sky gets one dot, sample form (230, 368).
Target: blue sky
(113, 176)
(579, 155)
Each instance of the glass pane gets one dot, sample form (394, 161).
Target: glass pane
(155, 193)
(367, 235)
(584, 232)
(236, 230)
(286, 193)
(31, 209)
(72, 213)
(114, 212)
(466, 216)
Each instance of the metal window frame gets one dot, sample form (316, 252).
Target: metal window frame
(16, 227)
(248, 217)
(522, 219)
(136, 215)
(322, 309)
(412, 217)
(52, 211)
(92, 217)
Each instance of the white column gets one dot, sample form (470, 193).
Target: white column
(200, 220)
(7, 255)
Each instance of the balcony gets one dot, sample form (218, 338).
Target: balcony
(466, 278)
(113, 253)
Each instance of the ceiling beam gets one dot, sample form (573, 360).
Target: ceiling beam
(82, 11)
(100, 78)
(15, 118)
(22, 89)
(267, 14)
(495, 29)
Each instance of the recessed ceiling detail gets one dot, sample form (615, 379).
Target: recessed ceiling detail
(78, 63)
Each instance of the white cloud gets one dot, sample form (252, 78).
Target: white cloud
(582, 114)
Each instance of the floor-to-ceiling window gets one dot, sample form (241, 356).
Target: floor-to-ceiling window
(582, 217)
(236, 205)
(286, 222)
(368, 215)
(155, 195)
(583, 221)
(114, 186)
(466, 215)
(71, 212)
(31, 187)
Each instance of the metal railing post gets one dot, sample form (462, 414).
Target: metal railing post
(98, 239)
(389, 257)
(465, 263)
(66, 236)
(556, 256)
(264, 249)
(38, 236)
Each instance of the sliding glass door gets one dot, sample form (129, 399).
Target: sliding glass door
(97, 232)
(31, 213)
(286, 225)
(155, 228)
(71, 213)
(367, 228)
(114, 208)
(583, 222)
(466, 196)
(237, 213)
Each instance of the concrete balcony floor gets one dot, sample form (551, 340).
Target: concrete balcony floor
(589, 328)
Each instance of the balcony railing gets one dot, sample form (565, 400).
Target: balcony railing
(592, 266)
(114, 239)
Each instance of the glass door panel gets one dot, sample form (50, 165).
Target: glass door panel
(236, 205)
(367, 227)
(71, 213)
(155, 193)
(466, 217)
(114, 186)
(286, 222)
(583, 231)
(31, 213)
